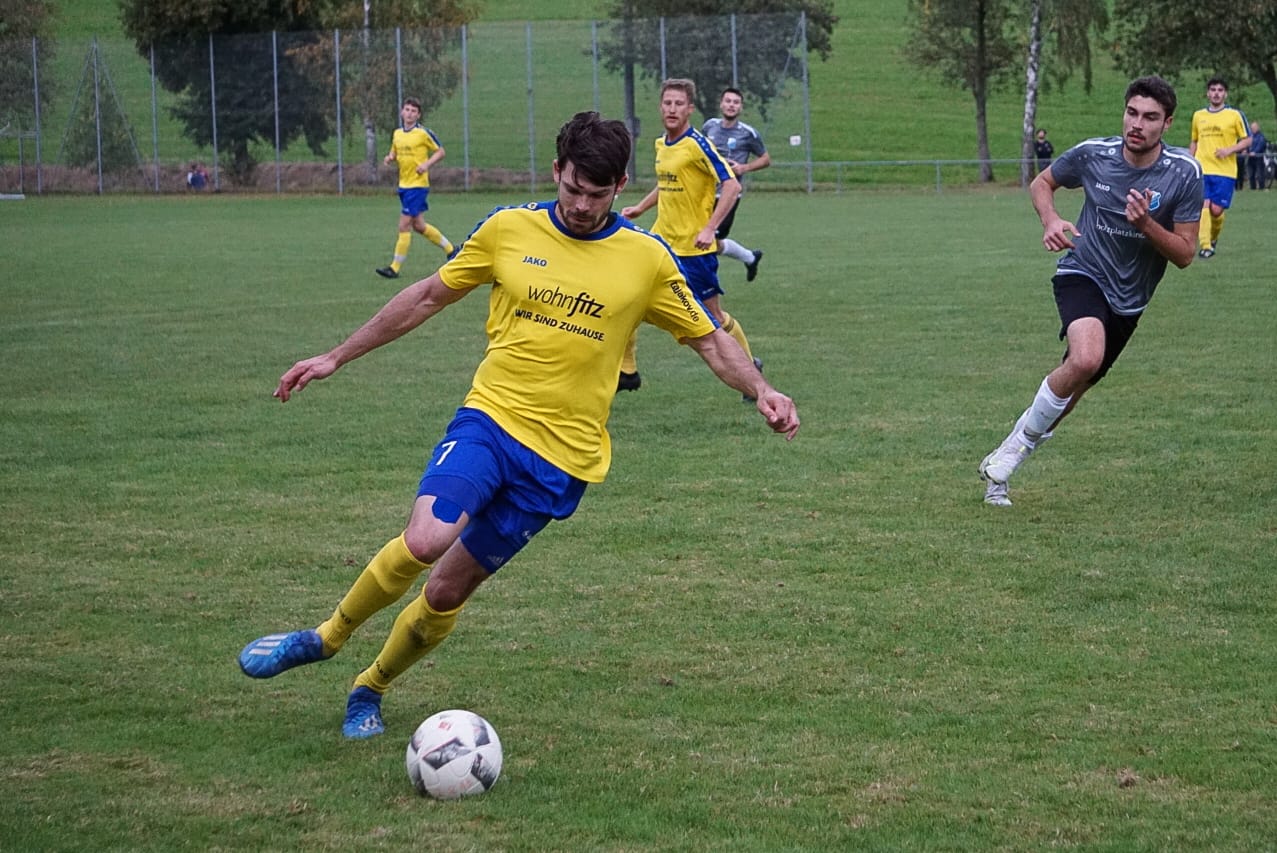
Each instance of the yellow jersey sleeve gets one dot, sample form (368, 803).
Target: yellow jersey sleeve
(560, 312)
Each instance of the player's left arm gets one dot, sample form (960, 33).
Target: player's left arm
(1178, 246)
(762, 161)
(731, 365)
(435, 157)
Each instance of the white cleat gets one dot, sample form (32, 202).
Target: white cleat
(999, 465)
(997, 494)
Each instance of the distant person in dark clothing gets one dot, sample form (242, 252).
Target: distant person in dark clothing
(1043, 150)
(197, 177)
(1256, 163)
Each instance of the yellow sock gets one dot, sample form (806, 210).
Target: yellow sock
(731, 327)
(401, 249)
(387, 577)
(1216, 225)
(417, 631)
(434, 235)
(629, 361)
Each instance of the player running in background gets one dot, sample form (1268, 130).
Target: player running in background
(743, 149)
(1219, 134)
(531, 433)
(1142, 203)
(695, 191)
(416, 149)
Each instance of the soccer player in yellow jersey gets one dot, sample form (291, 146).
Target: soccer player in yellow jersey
(695, 191)
(570, 282)
(1219, 134)
(416, 149)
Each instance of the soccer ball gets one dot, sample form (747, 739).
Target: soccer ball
(453, 754)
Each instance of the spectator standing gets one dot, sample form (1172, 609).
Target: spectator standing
(1257, 161)
(1043, 150)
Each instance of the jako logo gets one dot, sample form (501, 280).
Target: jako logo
(536, 262)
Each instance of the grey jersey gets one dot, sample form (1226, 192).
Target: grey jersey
(736, 143)
(1109, 249)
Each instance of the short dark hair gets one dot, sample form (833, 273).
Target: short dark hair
(412, 102)
(1217, 80)
(732, 90)
(598, 147)
(1156, 88)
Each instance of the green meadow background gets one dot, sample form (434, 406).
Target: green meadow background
(737, 643)
(867, 102)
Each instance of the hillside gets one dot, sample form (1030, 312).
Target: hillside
(867, 102)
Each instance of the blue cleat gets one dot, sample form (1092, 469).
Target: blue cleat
(363, 714)
(268, 656)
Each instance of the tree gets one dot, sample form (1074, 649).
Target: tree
(1238, 41)
(246, 59)
(766, 37)
(967, 42)
(1066, 26)
(23, 22)
(244, 64)
(424, 52)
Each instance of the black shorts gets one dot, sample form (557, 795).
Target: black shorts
(725, 227)
(1077, 296)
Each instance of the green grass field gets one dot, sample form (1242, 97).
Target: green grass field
(736, 644)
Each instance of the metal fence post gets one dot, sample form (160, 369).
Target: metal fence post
(35, 79)
(212, 98)
(341, 138)
(274, 73)
(155, 122)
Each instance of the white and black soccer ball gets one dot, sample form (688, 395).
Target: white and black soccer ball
(453, 754)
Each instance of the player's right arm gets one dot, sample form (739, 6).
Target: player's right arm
(407, 310)
(1055, 229)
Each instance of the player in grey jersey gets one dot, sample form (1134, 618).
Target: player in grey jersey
(743, 149)
(1142, 204)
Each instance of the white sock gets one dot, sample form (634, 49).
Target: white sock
(732, 249)
(1046, 410)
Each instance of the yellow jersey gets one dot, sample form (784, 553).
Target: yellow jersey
(1215, 129)
(412, 148)
(561, 310)
(688, 172)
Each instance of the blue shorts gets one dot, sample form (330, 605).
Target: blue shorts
(702, 274)
(509, 492)
(1218, 189)
(412, 202)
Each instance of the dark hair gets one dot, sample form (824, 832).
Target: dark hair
(732, 90)
(1217, 80)
(1156, 88)
(412, 102)
(598, 147)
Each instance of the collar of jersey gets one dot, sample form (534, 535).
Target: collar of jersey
(613, 224)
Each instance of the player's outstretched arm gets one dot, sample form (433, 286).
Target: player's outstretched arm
(730, 364)
(406, 310)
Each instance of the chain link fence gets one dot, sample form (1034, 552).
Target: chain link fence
(314, 111)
